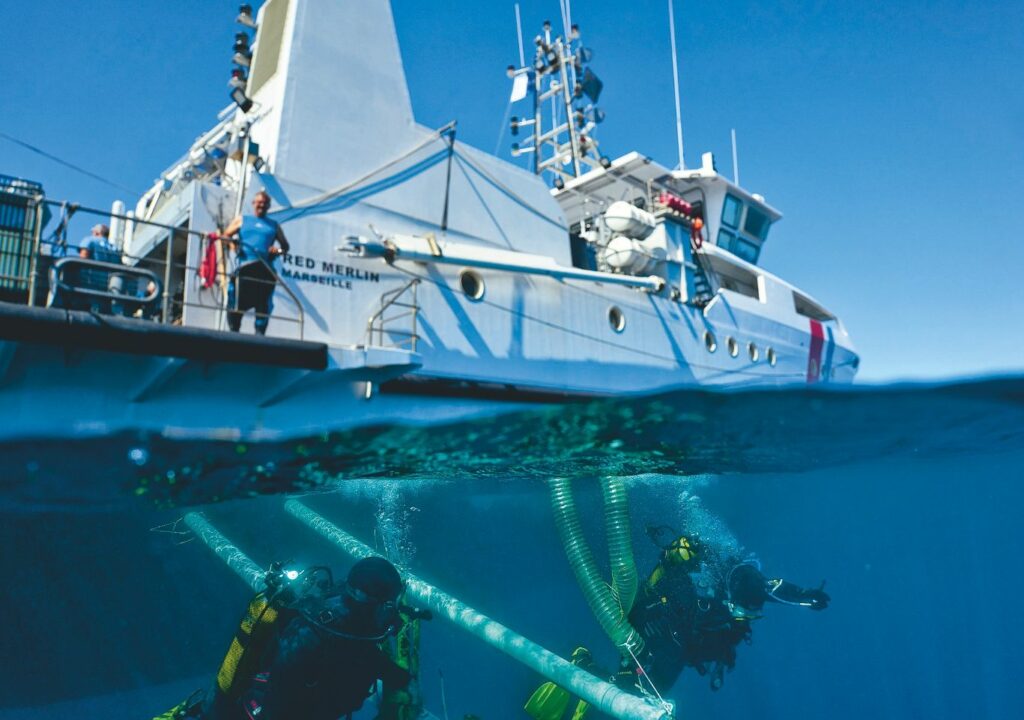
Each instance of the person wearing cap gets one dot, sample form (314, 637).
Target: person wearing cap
(258, 241)
(309, 648)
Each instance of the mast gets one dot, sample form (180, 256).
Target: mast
(559, 78)
(675, 84)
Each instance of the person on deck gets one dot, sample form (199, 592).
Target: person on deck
(698, 605)
(97, 246)
(258, 240)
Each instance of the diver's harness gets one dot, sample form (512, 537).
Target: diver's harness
(708, 587)
(288, 594)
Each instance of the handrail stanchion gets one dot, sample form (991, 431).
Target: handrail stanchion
(165, 314)
(415, 314)
(37, 235)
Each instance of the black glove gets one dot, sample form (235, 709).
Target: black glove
(816, 599)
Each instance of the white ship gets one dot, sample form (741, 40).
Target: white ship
(426, 280)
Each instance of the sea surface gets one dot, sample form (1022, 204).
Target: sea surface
(905, 500)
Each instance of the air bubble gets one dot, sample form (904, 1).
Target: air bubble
(139, 456)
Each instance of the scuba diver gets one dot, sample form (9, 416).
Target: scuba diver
(309, 648)
(698, 605)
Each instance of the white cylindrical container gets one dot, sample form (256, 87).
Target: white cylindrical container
(627, 219)
(631, 256)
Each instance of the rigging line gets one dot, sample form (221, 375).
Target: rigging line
(330, 194)
(448, 180)
(508, 191)
(501, 129)
(65, 163)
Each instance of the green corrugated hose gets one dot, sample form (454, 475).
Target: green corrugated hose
(620, 544)
(606, 608)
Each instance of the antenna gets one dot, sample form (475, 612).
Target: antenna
(735, 160)
(675, 78)
(519, 35)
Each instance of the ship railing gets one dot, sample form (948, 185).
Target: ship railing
(102, 285)
(396, 305)
(38, 270)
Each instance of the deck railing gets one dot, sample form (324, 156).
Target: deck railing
(401, 303)
(46, 270)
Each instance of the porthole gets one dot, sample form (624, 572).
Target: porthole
(734, 347)
(753, 352)
(616, 318)
(709, 341)
(770, 354)
(472, 284)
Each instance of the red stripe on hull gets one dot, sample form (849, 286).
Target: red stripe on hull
(814, 356)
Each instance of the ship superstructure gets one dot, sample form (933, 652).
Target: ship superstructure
(426, 279)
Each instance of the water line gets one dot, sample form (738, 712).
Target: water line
(604, 696)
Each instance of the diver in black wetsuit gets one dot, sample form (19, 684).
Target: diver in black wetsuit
(697, 606)
(310, 649)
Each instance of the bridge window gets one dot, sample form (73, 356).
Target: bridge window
(731, 211)
(739, 246)
(756, 224)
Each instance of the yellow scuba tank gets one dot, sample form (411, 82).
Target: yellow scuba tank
(680, 551)
(254, 633)
(259, 623)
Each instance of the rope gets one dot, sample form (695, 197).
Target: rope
(448, 180)
(67, 164)
(505, 189)
(306, 205)
(643, 673)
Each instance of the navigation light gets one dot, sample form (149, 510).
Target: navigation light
(245, 16)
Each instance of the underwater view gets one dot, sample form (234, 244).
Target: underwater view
(390, 360)
(889, 514)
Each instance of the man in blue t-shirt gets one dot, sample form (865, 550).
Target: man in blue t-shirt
(97, 246)
(259, 240)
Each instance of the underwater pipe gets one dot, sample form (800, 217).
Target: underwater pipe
(603, 696)
(620, 542)
(610, 615)
(253, 575)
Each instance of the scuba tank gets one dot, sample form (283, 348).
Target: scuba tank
(263, 616)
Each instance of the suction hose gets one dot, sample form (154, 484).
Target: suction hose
(620, 542)
(610, 616)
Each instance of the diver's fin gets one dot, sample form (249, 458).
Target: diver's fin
(581, 710)
(549, 702)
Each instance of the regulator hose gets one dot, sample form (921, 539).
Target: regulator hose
(609, 614)
(620, 544)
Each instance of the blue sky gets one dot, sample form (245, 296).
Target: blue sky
(891, 137)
